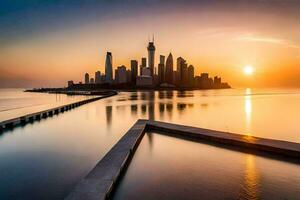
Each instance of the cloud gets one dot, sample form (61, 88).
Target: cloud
(270, 40)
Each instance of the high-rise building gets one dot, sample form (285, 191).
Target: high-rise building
(217, 81)
(108, 68)
(191, 75)
(144, 62)
(128, 75)
(134, 70)
(146, 71)
(121, 74)
(161, 69)
(162, 59)
(86, 78)
(70, 83)
(143, 65)
(182, 71)
(97, 77)
(92, 81)
(169, 70)
(161, 73)
(151, 55)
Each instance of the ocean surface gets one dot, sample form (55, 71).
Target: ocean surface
(45, 159)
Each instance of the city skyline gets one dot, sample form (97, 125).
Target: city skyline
(59, 41)
(149, 75)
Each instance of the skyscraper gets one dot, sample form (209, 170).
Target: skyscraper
(108, 68)
(121, 74)
(151, 55)
(86, 78)
(191, 75)
(134, 71)
(97, 77)
(144, 62)
(169, 69)
(143, 65)
(161, 69)
(182, 71)
(162, 59)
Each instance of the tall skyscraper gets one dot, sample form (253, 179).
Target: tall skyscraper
(143, 65)
(161, 69)
(182, 71)
(191, 75)
(108, 68)
(134, 70)
(144, 62)
(97, 77)
(121, 74)
(169, 69)
(151, 55)
(162, 59)
(86, 78)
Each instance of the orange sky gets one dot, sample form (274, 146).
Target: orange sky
(217, 40)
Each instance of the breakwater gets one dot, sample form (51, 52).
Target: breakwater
(32, 117)
(102, 180)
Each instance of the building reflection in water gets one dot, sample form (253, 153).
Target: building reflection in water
(161, 94)
(151, 105)
(251, 182)
(161, 110)
(169, 94)
(108, 115)
(248, 110)
(133, 96)
(143, 109)
(181, 107)
(134, 109)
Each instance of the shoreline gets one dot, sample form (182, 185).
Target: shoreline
(100, 91)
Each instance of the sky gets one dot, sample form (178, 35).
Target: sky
(45, 43)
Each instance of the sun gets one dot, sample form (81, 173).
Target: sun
(248, 70)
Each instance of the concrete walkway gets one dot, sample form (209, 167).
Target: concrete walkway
(32, 117)
(100, 182)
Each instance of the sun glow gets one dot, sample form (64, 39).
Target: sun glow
(248, 70)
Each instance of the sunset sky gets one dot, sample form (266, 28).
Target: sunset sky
(47, 42)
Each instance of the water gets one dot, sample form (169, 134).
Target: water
(15, 103)
(45, 160)
(165, 167)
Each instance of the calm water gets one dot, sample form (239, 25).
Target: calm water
(44, 160)
(15, 103)
(165, 167)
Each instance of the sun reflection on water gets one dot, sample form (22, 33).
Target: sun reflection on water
(248, 110)
(250, 186)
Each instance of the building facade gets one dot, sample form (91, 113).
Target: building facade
(86, 78)
(169, 70)
(151, 56)
(134, 70)
(108, 68)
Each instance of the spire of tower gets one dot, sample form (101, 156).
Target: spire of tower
(153, 38)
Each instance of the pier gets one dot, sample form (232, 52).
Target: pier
(30, 118)
(102, 180)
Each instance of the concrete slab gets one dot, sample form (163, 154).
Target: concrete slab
(100, 182)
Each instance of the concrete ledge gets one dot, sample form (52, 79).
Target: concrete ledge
(99, 183)
(11, 123)
(278, 147)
